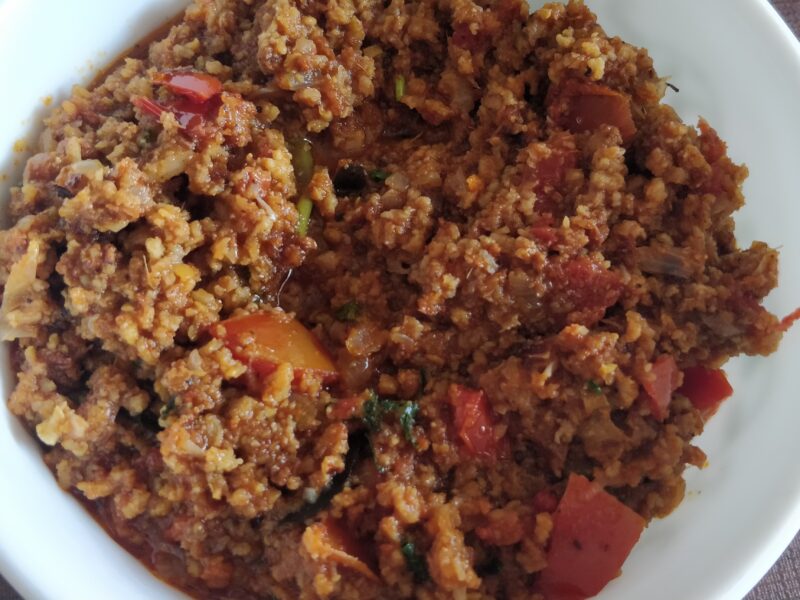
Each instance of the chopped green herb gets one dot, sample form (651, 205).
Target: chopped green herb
(423, 381)
(146, 137)
(594, 387)
(379, 175)
(492, 567)
(302, 161)
(415, 561)
(408, 414)
(378, 467)
(304, 208)
(375, 409)
(349, 311)
(168, 408)
(399, 87)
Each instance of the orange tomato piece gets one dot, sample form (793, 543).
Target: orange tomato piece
(581, 106)
(266, 339)
(331, 540)
(593, 533)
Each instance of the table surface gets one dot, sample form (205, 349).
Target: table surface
(783, 580)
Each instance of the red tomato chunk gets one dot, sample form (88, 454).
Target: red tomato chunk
(580, 107)
(664, 381)
(593, 533)
(705, 388)
(198, 87)
(789, 320)
(189, 115)
(194, 104)
(582, 290)
(474, 422)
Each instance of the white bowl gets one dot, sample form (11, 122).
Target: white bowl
(735, 62)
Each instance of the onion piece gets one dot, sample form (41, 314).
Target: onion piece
(21, 278)
(664, 261)
(90, 168)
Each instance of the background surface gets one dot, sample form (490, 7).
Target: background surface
(783, 581)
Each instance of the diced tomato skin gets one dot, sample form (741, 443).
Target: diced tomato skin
(188, 120)
(659, 389)
(593, 533)
(705, 388)
(148, 106)
(198, 87)
(188, 114)
(789, 320)
(198, 97)
(474, 422)
(191, 115)
(581, 106)
(264, 340)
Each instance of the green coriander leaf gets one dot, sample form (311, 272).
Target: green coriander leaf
(168, 408)
(415, 561)
(594, 387)
(350, 311)
(375, 409)
(379, 175)
(408, 414)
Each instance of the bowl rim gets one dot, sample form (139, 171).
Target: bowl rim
(29, 584)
